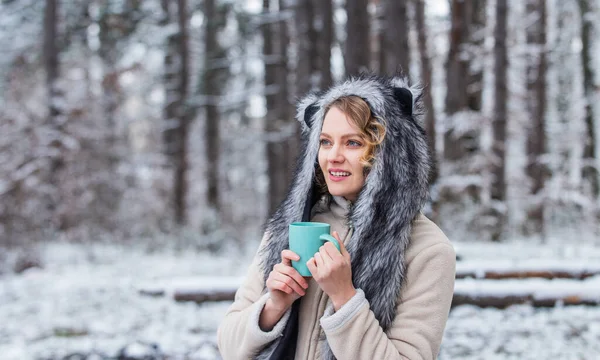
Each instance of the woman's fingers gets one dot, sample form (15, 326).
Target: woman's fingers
(312, 266)
(287, 256)
(280, 285)
(343, 249)
(331, 251)
(319, 260)
(293, 273)
(291, 283)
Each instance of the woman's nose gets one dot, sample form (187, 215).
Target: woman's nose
(335, 154)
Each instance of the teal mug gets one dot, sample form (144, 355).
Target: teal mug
(305, 240)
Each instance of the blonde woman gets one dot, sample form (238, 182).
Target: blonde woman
(363, 168)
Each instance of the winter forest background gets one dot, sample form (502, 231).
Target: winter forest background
(148, 141)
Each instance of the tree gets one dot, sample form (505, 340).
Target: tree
(590, 162)
(181, 164)
(274, 33)
(464, 73)
(308, 55)
(211, 89)
(176, 112)
(56, 118)
(477, 26)
(394, 51)
(498, 186)
(324, 42)
(537, 64)
(426, 79)
(116, 25)
(356, 54)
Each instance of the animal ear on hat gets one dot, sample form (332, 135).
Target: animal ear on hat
(309, 113)
(405, 99)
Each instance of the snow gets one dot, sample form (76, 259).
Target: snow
(540, 289)
(86, 300)
(200, 284)
(522, 332)
(575, 268)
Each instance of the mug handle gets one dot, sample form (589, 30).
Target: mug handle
(327, 237)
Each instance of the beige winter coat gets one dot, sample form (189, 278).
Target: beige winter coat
(353, 332)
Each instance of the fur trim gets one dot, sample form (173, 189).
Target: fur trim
(395, 190)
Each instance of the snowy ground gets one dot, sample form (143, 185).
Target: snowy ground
(85, 301)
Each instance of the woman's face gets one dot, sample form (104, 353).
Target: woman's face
(341, 147)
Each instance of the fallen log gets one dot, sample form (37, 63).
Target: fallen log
(478, 292)
(203, 296)
(496, 301)
(502, 302)
(546, 269)
(495, 275)
(537, 292)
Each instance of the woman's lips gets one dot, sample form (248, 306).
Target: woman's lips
(338, 177)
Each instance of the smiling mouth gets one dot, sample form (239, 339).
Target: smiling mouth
(339, 173)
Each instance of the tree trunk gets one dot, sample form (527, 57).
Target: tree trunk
(181, 163)
(426, 79)
(176, 114)
(477, 15)
(211, 90)
(457, 70)
(356, 57)
(498, 186)
(394, 50)
(55, 119)
(170, 81)
(307, 47)
(51, 55)
(464, 75)
(276, 152)
(536, 106)
(324, 42)
(116, 26)
(590, 163)
(285, 105)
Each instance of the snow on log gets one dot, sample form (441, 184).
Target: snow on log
(524, 269)
(198, 289)
(203, 296)
(537, 292)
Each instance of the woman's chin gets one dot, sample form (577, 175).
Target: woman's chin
(348, 195)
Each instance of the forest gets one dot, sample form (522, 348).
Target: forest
(168, 127)
(136, 118)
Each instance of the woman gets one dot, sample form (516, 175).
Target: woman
(363, 169)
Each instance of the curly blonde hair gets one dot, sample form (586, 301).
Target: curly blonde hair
(371, 129)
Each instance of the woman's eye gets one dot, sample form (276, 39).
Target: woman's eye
(354, 143)
(324, 142)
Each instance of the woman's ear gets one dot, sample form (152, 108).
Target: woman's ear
(405, 99)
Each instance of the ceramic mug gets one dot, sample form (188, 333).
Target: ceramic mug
(305, 240)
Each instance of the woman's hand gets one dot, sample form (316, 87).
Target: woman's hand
(332, 270)
(285, 284)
